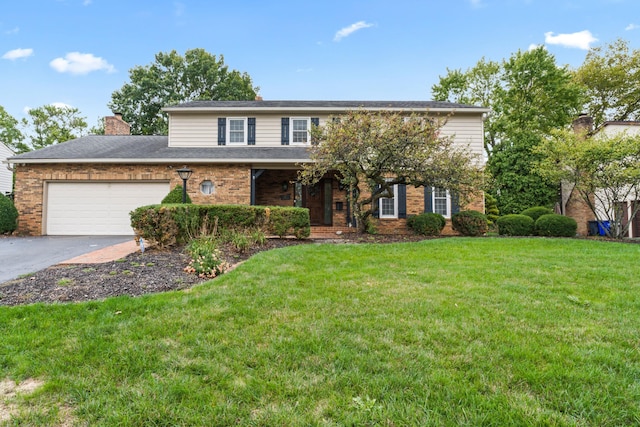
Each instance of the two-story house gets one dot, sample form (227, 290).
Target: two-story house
(240, 152)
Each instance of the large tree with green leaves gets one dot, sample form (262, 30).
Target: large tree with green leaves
(611, 76)
(529, 95)
(173, 79)
(10, 134)
(370, 152)
(605, 170)
(50, 124)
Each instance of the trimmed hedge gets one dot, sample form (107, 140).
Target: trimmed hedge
(554, 225)
(175, 196)
(515, 225)
(427, 224)
(169, 224)
(8, 215)
(536, 212)
(469, 223)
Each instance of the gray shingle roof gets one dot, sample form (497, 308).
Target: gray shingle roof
(324, 105)
(142, 148)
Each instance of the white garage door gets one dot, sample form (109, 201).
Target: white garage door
(97, 208)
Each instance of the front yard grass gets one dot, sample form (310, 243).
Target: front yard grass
(453, 331)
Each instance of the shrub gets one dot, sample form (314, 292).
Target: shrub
(515, 225)
(169, 224)
(175, 196)
(8, 215)
(491, 208)
(427, 224)
(469, 223)
(554, 225)
(536, 212)
(206, 259)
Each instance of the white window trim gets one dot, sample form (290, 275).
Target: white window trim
(228, 131)
(291, 120)
(395, 205)
(433, 202)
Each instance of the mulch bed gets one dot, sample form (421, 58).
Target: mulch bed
(137, 274)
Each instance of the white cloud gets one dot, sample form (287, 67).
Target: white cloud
(14, 30)
(534, 46)
(80, 63)
(347, 31)
(17, 54)
(87, 2)
(580, 40)
(61, 105)
(476, 4)
(632, 27)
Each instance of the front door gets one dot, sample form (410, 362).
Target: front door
(318, 199)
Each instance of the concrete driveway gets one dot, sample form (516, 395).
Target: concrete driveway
(22, 255)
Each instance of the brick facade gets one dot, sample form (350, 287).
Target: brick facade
(231, 184)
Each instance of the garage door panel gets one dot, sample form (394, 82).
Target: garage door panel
(98, 208)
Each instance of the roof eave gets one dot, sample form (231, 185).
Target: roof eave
(478, 110)
(150, 161)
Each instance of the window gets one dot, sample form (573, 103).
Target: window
(206, 187)
(300, 130)
(389, 205)
(441, 202)
(237, 130)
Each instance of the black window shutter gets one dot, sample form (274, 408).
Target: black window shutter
(315, 121)
(222, 130)
(251, 131)
(455, 203)
(402, 200)
(285, 131)
(428, 199)
(376, 208)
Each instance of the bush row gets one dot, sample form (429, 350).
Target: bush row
(467, 223)
(537, 221)
(8, 215)
(169, 224)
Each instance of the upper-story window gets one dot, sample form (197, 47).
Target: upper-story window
(237, 130)
(300, 130)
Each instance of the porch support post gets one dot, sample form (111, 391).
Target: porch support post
(255, 173)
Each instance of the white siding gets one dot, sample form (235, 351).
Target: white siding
(615, 128)
(201, 130)
(193, 130)
(6, 176)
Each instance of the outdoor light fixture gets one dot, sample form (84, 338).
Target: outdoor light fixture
(285, 185)
(184, 173)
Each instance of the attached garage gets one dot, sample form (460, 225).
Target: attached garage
(97, 208)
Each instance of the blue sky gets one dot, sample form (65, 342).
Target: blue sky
(77, 52)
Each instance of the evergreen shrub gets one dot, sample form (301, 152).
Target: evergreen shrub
(515, 225)
(536, 212)
(469, 223)
(8, 215)
(426, 224)
(175, 196)
(554, 225)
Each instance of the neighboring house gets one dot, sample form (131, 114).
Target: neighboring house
(6, 176)
(573, 205)
(631, 128)
(241, 152)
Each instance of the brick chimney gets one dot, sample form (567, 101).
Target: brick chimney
(258, 98)
(583, 124)
(114, 125)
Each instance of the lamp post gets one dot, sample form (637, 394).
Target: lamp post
(184, 173)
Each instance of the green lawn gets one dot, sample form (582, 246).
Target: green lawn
(442, 332)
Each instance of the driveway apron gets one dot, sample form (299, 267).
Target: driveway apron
(23, 255)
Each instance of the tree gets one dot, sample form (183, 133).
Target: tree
(479, 85)
(529, 95)
(611, 76)
(370, 152)
(10, 135)
(605, 170)
(50, 125)
(173, 79)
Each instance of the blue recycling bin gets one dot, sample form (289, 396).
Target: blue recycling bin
(603, 227)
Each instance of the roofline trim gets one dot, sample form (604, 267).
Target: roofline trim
(323, 109)
(148, 161)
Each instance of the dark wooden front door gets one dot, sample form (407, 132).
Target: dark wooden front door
(318, 199)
